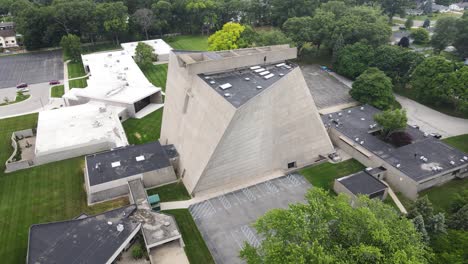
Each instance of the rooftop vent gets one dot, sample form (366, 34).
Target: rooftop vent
(269, 76)
(362, 142)
(452, 162)
(259, 87)
(465, 157)
(126, 69)
(264, 73)
(212, 82)
(115, 164)
(167, 223)
(462, 160)
(281, 74)
(349, 111)
(363, 119)
(120, 227)
(259, 70)
(339, 114)
(227, 94)
(281, 64)
(330, 116)
(362, 107)
(109, 223)
(225, 86)
(140, 158)
(207, 77)
(356, 139)
(287, 66)
(247, 79)
(255, 67)
(109, 55)
(398, 165)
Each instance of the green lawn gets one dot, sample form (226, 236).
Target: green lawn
(78, 83)
(442, 196)
(171, 192)
(20, 96)
(157, 75)
(57, 91)
(459, 142)
(144, 130)
(75, 69)
(323, 175)
(188, 42)
(195, 247)
(51, 192)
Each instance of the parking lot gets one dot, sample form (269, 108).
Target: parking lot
(225, 221)
(326, 90)
(31, 68)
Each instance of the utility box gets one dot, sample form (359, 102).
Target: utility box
(154, 202)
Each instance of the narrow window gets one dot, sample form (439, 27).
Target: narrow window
(291, 165)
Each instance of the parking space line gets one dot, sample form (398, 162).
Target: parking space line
(240, 245)
(250, 236)
(225, 202)
(249, 194)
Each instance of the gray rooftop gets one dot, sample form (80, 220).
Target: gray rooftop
(126, 161)
(362, 183)
(87, 240)
(246, 83)
(354, 123)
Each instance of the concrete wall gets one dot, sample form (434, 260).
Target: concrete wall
(194, 120)
(338, 187)
(159, 177)
(278, 126)
(22, 164)
(108, 194)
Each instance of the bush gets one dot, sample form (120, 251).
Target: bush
(137, 251)
(354, 59)
(375, 88)
(420, 36)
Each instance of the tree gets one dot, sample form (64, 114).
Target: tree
(71, 47)
(271, 37)
(144, 55)
(283, 10)
(427, 23)
(431, 80)
(373, 87)
(113, 18)
(418, 222)
(227, 38)
(409, 23)
(202, 14)
(394, 7)
(327, 229)
(354, 59)
(163, 14)
(444, 33)
(339, 44)
(391, 121)
(420, 36)
(450, 247)
(459, 220)
(404, 42)
(144, 18)
(137, 251)
(72, 16)
(428, 8)
(461, 38)
(299, 29)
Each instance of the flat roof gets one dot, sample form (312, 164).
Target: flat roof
(362, 183)
(79, 126)
(240, 85)
(114, 76)
(355, 122)
(92, 239)
(160, 46)
(126, 161)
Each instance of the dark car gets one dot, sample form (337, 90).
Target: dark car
(436, 135)
(54, 82)
(22, 85)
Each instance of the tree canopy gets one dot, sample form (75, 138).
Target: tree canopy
(420, 36)
(327, 229)
(375, 88)
(391, 120)
(144, 55)
(71, 47)
(229, 37)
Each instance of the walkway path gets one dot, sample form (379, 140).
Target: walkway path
(66, 86)
(395, 199)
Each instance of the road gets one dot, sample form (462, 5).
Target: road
(40, 93)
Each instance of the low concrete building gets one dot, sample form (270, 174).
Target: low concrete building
(238, 115)
(115, 79)
(107, 173)
(76, 131)
(160, 47)
(7, 35)
(424, 163)
(361, 183)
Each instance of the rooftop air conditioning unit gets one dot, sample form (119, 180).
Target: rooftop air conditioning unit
(225, 86)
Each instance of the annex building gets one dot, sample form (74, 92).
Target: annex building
(409, 169)
(239, 115)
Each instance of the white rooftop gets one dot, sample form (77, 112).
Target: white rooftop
(160, 46)
(114, 76)
(79, 126)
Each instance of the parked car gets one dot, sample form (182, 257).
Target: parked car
(436, 135)
(22, 85)
(54, 82)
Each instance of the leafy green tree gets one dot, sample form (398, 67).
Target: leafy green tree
(113, 18)
(354, 59)
(459, 220)
(283, 10)
(227, 38)
(450, 247)
(420, 36)
(144, 18)
(339, 44)
(327, 229)
(271, 37)
(162, 11)
(322, 27)
(436, 224)
(427, 23)
(422, 206)
(431, 80)
(409, 23)
(144, 55)
(394, 7)
(70, 15)
(404, 42)
(461, 38)
(137, 251)
(300, 30)
(444, 33)
(373, 87)
(71, 47)
(202, 13)
(418, 222)
(391, 121)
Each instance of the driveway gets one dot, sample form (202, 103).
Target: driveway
(225, 222)
(37, 67)
(40, 93)
(327, 91)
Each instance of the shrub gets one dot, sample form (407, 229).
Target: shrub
(137, 251)
(420, 36)
(400, 138)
